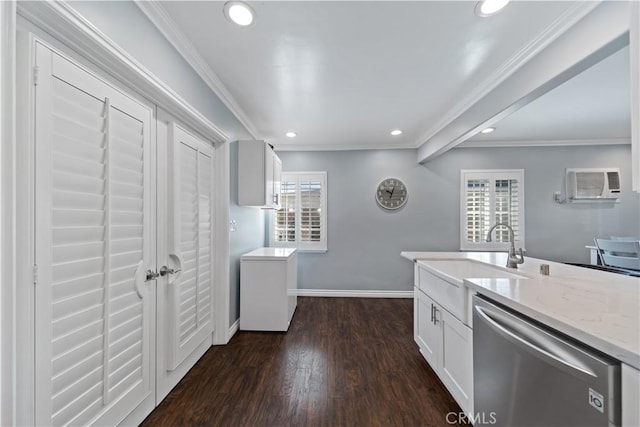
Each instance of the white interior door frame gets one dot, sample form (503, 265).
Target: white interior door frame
(7, 210)
(221, 332)
(23, 327)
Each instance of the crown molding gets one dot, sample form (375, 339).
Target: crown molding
(544, 143)
(166, 25)
(339, 147)
(66, 25)
(565, 21)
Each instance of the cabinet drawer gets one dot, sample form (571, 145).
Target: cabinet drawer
(450, 296)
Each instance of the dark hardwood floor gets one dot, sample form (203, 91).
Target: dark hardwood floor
(344, 362)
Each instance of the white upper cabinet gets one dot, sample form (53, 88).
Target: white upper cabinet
(259, 171)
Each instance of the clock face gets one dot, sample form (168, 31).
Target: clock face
(391, 193)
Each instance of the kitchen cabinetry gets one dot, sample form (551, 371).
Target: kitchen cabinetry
(259, 171)
(268, 289)
(444, 340)
(427, 331)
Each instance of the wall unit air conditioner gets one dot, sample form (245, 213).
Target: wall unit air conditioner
(593, 184)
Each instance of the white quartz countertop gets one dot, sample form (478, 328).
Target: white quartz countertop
(269, 254)
(597, 308)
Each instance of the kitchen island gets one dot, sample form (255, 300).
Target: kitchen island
(599, 309)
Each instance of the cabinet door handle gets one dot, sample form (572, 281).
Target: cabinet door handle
(435, 315)
(432, 312)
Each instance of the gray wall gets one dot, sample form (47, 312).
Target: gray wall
(250, 234)
(365, 241)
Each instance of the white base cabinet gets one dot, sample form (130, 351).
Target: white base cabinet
(268, 289)
(446, 344)
(441, 332)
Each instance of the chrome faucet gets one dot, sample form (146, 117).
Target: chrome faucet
(513, 259)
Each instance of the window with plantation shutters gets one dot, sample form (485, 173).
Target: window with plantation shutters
(285, 217)
(301, 220)
(94, 311)
(488, 197)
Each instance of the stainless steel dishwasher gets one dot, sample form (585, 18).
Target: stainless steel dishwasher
(528, 375)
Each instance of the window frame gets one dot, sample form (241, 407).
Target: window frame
(317, 247)
(492, 175)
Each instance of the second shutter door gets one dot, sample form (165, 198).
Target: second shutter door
(191, 245)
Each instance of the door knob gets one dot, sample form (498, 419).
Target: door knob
(151, 275)
(164, 270)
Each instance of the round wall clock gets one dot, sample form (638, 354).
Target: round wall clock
(391, 193)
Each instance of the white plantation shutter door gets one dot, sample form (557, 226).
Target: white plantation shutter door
(191, 242)
(93, 313)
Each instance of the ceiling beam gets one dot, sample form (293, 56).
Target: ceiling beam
(595, 37)
(544, 143)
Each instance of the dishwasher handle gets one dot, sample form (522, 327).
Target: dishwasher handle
(547, 355)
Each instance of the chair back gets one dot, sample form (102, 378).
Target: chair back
(619, 253)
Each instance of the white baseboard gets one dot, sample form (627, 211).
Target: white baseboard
(233, 329)
(353, 293)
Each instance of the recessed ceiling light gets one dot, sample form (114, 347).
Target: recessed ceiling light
(239, 13)
(396, 132)
(487, 130)
(489, 7)
(291, 134)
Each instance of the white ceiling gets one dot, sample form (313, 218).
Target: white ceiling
(594, 105)
(343, 74)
